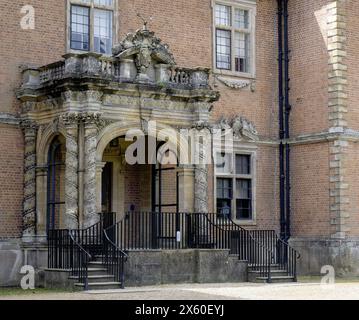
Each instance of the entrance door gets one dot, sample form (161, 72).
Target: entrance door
(106, 198)
(165, 204)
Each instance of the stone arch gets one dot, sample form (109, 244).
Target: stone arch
(119, 129)
(45, 138)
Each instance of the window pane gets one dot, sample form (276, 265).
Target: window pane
(224, 163)
(80, 29)
(241, 51)
(224, 208)
(103, 31)
(243, 164)
(244, 209)
(241, 19)
(103, 2)
(223, 15)
(244, 199)
(224, 188)
(223, 49)
(244, 189)
(224, 197)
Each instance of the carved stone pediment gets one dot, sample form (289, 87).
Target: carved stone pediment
(242, 128)
(144, 48)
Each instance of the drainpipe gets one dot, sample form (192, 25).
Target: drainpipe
(287, 114)
(281, 121)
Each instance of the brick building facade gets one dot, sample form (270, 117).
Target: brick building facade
(238, 41)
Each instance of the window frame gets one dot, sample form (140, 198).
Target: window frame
(92, 6)
(250, 151)
(250, 6)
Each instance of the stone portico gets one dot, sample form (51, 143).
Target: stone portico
(87, 101)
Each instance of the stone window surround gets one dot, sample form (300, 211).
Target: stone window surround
(241, 149)
(251, 6)
(113, 8)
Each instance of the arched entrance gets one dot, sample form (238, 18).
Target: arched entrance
(55, 183)
(140, 187)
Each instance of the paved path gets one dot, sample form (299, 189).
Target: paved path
(293, 291)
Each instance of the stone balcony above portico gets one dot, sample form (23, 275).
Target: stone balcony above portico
(140, 62)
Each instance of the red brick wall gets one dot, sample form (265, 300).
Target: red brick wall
(11, 181)
(310, 190)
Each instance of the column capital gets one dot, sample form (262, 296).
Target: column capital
(28, 126)
(100, 165)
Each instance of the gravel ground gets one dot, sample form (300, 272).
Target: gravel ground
(227, 291)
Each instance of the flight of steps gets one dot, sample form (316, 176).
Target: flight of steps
(98, 277)
(277, 275)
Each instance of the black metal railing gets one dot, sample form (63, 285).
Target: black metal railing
(284, 256)
(59, 249)
(280, 253)
(113, 257)
(73, 249)
(221, 232)
(167, 230)
(80, 259)
(263, 249)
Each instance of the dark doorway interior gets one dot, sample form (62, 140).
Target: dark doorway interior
(107, 172)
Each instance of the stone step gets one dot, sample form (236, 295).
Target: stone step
(275, 279)
(100, 285)
(254, 274)
(96, 264)
(274, 266)
(97, 271)
(97, 279)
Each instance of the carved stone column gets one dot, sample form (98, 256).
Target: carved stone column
(29, 205)
(99, 169)
(186, 188)
(200, 173)
(201, 186)
(90, 213)
(71, 220)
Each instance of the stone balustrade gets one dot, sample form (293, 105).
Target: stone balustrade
(113, 69)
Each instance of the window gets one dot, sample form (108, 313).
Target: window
(234, 180)
(91, 25)
(234, 37)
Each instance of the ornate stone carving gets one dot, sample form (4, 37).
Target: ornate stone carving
(28, 106)
(71, 178)
(90, 117)
(103, 123)
(70, 118)
(29, 128)
(202, 124)
(68, 95)
(242, 128)
(237, 83)
(94, 95)
(144, 47)
(90, 214)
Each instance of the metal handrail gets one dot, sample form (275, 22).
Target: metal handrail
(115, 245)
(247, 232)
(79, 245)
(114, 260)
(82, 268)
